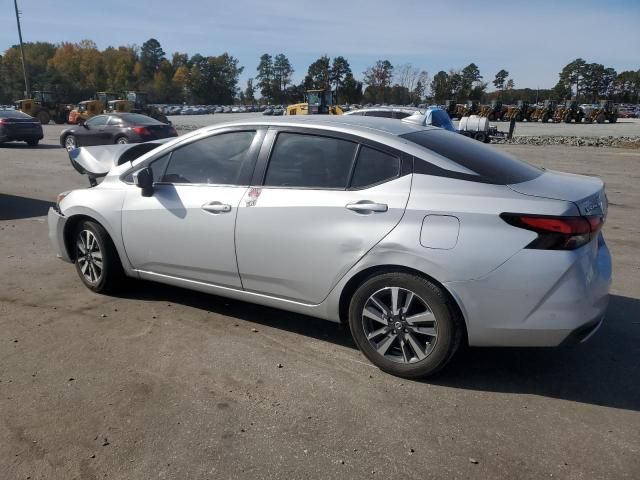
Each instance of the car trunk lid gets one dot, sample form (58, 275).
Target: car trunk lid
(587, 193)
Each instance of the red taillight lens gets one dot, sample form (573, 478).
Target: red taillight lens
(3, 121)
(557, 233)
(142, 131)
(173, 131)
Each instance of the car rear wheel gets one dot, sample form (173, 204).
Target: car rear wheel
(122, 140)
(404, 324)
(33, 143)
(70, 142)
(96, 258)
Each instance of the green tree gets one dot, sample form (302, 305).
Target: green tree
(351, 91)
(151, 55)
(265, 76)
(340, 68)
(500, 80)
(378, 79)
(282, 72)
(320, 73)
(572, 75)
(249, 92)
(440, 89)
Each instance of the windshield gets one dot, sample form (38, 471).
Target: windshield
(314, 98)
(489, 163)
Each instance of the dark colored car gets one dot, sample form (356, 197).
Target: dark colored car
(16, 126)
(115, 128)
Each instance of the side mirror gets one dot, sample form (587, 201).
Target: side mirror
(84, 124)
(144, 180)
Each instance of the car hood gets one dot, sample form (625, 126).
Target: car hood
(586, 192)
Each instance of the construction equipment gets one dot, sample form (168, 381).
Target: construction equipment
(450, 107)
(568, 112)
(606, 111)
(494, 112)
(317, 102)
(470, 108)
(543, 112)
(136, 102)
(521, 111)
(44, 107)
(90, 108)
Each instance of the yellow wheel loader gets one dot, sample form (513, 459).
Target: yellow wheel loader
(318, 102)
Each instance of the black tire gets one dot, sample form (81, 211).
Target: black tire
(480, 136)
(111, 273)
(545, 118)
(601, 118)
(613, 118)
(69, 140)
(43, 117)
(122, 139)
(448, 324)
(33, 143)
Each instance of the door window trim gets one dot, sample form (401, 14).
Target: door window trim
(268, 144)
(252, 159)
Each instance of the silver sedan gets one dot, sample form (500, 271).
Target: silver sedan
(417, 238)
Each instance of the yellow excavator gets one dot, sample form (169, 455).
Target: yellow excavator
(317, 102)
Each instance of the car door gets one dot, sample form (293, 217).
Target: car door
(323, 204)
(93, 131)
(186, 228)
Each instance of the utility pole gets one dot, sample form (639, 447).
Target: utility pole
(24, 63)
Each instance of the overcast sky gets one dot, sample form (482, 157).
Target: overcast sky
(533, 40)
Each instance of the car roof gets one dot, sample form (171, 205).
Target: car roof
(354, 123)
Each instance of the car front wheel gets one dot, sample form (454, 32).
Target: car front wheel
(96, 258)
(70, 142)
(404, 324)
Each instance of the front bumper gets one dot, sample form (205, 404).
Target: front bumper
(538, 298)
(57, 222)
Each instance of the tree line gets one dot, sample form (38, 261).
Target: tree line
(76, 71)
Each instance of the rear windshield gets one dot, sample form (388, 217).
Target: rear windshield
(13, 114)
(491, 164)
(138, 119)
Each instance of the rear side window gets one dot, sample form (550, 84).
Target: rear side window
(379, 113)
(310, 161)
(490, 164)
(216, 160)
(374, 167)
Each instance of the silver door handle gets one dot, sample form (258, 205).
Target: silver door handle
(365, 206)
(216, 207)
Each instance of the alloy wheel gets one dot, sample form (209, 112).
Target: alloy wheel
(70, 142)
(89, 256)
(399, 325)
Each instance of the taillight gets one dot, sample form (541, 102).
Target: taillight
(3, 121)
(173, 131)
(557, 233)
(142, 131)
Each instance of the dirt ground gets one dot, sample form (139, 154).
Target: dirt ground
(165, 383)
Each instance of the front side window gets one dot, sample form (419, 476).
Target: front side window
(310, 161)
(97, 121)
(374, 167)
(218, 160)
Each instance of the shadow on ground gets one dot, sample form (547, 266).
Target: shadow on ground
(603, 371)
(13, 207)
(24, 146)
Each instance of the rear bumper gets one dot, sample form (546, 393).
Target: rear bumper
(57, 222)
(538, 298)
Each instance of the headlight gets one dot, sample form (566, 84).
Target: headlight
(61, 197)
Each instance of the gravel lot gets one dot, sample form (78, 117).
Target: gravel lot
(166, 383)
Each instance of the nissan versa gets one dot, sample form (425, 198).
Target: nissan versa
(418, 238)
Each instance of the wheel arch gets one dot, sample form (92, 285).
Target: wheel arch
(74, 220)
(359, 278)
